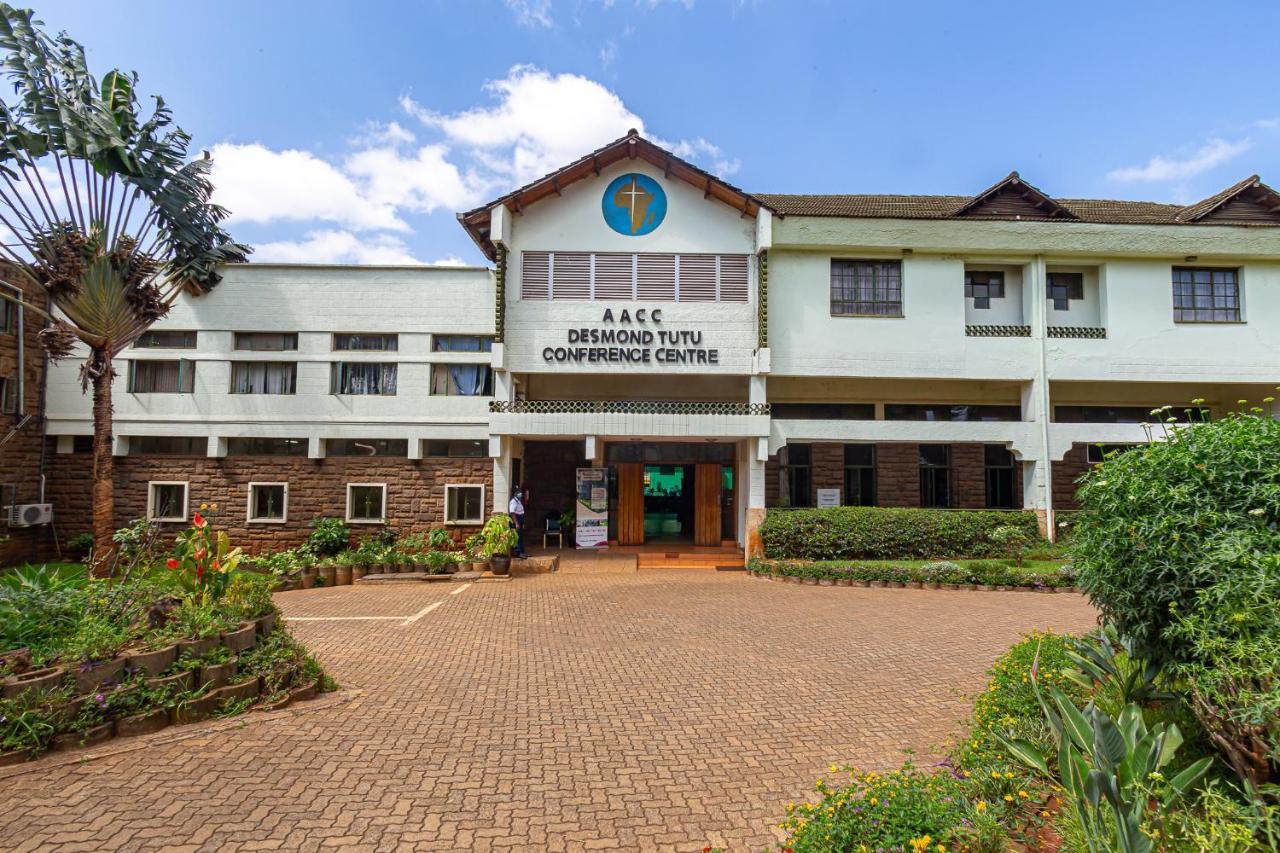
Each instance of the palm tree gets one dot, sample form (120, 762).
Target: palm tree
(101, 211)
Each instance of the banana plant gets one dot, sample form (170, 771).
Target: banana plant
(1111, 763)
(1133, 677)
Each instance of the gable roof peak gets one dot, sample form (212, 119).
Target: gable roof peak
(1030, 202)
(1262, 203)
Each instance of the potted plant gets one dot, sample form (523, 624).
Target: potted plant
(498, 537)
(473, 549)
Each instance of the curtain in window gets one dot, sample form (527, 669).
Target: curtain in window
(463, 343)
(370, 378)
(263, 377)
(461, 380)
(163, 377)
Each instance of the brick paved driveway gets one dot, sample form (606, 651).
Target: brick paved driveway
(638, 711)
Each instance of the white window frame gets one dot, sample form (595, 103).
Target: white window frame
(454, 522)
(284, 506)
(383, 519)
(186, 500)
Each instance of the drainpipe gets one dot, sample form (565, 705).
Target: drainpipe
(1039, 295)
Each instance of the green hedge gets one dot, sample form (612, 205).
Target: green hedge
(875, 533)
(983, 572)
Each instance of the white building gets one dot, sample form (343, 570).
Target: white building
(718, 352)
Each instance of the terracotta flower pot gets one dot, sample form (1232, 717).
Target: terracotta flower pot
(183, 681)
(809, 581)
(266, 623)
(969, 586)
(16, 756)
(826, 581)
(897, 585)
(303, 692)
(219, 675)
(342, 576)
(932, 585)
(142, 724)
(358, 572)
(985, 587)
(241, 638)
(87, 738)
(39, 680)
(915, 585)
(199, 647)
(19, 660)
(152, 663)
(861, 583)
(844, 582)
(247, 689)
(308, 580)
(480, 566)
(194, 711)
(878, 584)
(90, 677)
(327, 574)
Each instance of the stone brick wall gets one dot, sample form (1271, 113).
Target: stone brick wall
(897, 474)
(1065, 473)
(317, 487)
(20, 455)
(549, 473)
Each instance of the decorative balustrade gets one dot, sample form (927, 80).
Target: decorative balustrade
(1077, 332)
(626, 407)
(998, 331)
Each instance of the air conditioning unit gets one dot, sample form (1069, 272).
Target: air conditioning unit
(29, 515)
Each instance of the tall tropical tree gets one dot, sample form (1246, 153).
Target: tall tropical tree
(103, 211)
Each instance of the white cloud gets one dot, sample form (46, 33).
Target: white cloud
(449, 261)
(542, 121)
(1173, 168)
(421, 181)
(609, 53)
(257, 184)
(337, 247)
(531, 13)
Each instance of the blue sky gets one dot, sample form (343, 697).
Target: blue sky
(353, 131)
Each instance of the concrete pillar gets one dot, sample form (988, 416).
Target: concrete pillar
(315, 448)
(217, 447)
(500, 451)
(119, 445)
(755, 458)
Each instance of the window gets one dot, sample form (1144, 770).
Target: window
(162, 377)
(165, 339)
(982, 287)
(455, 448)
(82, 444)
(1096, 453)
(866, 288)
(8, 317)
(944, 412)
(997, 464)
(463, 504)
(264, 377)
(366, 447)
(1063, 287)
(166, 501)
(935, 475)
(462, 380)
(461, 343)
(358, 377)
(268, 503)
(8, 395)
(258, 446)
(824, 411)
(366, 503)
(267, 341)
(367, 343)
(167, 445)
(1205, 295)
(1125, 414)
(859, 475)
(795, 462)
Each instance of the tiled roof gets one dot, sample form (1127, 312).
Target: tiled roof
(1102, 211)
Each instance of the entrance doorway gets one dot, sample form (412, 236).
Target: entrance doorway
(663, 499)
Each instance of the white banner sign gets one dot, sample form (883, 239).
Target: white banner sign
(592, 529)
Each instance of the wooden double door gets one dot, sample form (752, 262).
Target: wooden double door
(706, 503)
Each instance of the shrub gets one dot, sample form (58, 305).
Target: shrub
(1164, 520)
(876, 533)
(328, 536)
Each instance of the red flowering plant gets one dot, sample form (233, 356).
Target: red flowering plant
(203, 559)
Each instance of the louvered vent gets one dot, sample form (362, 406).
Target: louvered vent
(733, 278)
(697, 278)
(535, 275)
(656, 278)
(571, 276)
(615, 276)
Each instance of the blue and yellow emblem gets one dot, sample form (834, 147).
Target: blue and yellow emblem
(634, 204)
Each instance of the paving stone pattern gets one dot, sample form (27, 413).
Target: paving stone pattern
(654, 710)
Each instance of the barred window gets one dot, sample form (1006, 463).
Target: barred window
(982, 287)
(1203, 295)
(1063, 287)
(859, 475)
(998, 468)
(366, 343)
(935, 475)
(866, 288)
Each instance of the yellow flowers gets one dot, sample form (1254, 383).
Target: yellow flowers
(1008, 775)
(981, 806)
(921, 844)
(874, 801)
(832, 769)
(1008, 798)
(1023, 794)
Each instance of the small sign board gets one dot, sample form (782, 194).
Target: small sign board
(592, 530)
(828, 497)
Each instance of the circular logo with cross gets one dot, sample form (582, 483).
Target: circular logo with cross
(634, 204)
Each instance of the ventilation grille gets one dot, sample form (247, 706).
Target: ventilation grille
(624, 277)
